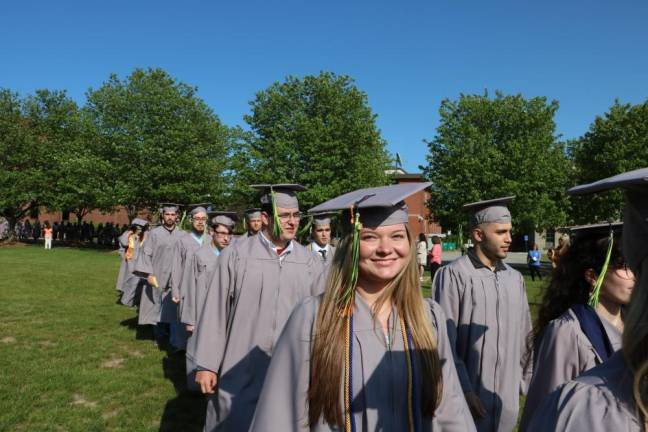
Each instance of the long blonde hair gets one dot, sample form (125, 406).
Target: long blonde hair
(635, 340)
(327, 359)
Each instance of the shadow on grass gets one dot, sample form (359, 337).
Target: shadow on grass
(185, 412)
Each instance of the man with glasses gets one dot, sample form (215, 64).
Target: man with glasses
(255, 286)
(185, 247)
(197, 273)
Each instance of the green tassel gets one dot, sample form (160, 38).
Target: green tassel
(594, 297)
(306, 227)
(182, 220)
(276, 229)
(347, 296)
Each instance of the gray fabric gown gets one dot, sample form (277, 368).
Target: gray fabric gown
(488, 323)
(329, 253)
(379, 377)
(131, 284)
(184, 249)
(563, 354)
(197, 274)
(600, 400)
(249, 299)
(123, 245)
(156, 257)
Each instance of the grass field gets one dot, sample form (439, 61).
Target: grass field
(73, 360)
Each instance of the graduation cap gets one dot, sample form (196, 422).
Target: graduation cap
(595, 229)
(226, 218)
(169, 207)
(635, 217)
(279, 195)
(253, 213)
(194, 209)
(373, 207)
(139, 222)
(489, 211)
(320, 219)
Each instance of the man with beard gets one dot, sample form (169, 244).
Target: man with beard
(255, 286)
(488, 319)
(155, 263)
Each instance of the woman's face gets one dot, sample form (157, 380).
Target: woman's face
(384, 251)
(617, 285)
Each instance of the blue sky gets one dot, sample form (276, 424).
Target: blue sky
(407, 55)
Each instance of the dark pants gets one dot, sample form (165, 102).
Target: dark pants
(433, 269)
(535, 270)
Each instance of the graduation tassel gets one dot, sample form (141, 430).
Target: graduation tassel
(347, 295)
(594, 297)
(304, 230)
(276, 228)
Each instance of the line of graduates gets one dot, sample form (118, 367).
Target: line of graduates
(279, 336)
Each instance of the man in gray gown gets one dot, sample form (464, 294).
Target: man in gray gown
(253, 221)
(321, 237)
(185, 247)
(252, 292)
(155, 263)
(488, 319)
(130, 243)
(196, 275)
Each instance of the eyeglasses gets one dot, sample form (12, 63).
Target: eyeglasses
(285, 217)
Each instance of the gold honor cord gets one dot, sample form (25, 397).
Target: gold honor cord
(594, 297)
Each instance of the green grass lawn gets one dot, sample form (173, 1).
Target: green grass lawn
(73, 360)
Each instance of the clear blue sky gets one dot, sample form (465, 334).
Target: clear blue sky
(406, 55)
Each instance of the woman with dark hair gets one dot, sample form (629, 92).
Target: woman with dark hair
(579, 325)
(370, 353)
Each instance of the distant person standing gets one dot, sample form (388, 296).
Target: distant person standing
(435, 256)
(48, 231)
(533, 261)
(421, 254)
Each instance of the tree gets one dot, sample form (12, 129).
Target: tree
(318, 131)
(492, 147)
(161, 142)
(34, 131)
(615, 142)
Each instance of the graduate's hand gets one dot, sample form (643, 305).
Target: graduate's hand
(475, 404)
(189, 328)
(152, 280)
(207, 381)
(175, 300)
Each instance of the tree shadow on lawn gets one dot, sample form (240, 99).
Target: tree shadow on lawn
(186, 412)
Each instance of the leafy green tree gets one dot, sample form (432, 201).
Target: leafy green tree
(491, 147)
(318, 131)
(615, 142)
(161, 142)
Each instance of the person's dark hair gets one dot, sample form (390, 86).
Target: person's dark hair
(421, 237)
(267, 208)
(436, 239)
(568, 285)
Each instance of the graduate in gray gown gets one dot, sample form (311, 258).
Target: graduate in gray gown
(580, 320)
(486, 305)
(253, 222)
(370, 353)
(256, 284)
(155, 263)
(320, 244)
(197, 274)
(129, 284)
(602, 399)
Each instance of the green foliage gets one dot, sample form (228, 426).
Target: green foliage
(491, 147)
(616, 142)
(318, 131)
(161, 141)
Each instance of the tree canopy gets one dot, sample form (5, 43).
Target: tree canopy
(318, 131)
(492, 147)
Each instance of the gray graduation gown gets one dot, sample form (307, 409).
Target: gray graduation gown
(379, 377)
(600, 400)
(329, 253)
(197, 274)
(123, 245)
(156, 257)
(563, 354)
(185, 247)
(249, 299)
(488, 323)
(131, 284)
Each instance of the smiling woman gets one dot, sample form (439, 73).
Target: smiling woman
(356, 357)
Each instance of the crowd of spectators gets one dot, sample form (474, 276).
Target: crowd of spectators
(67, 232)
